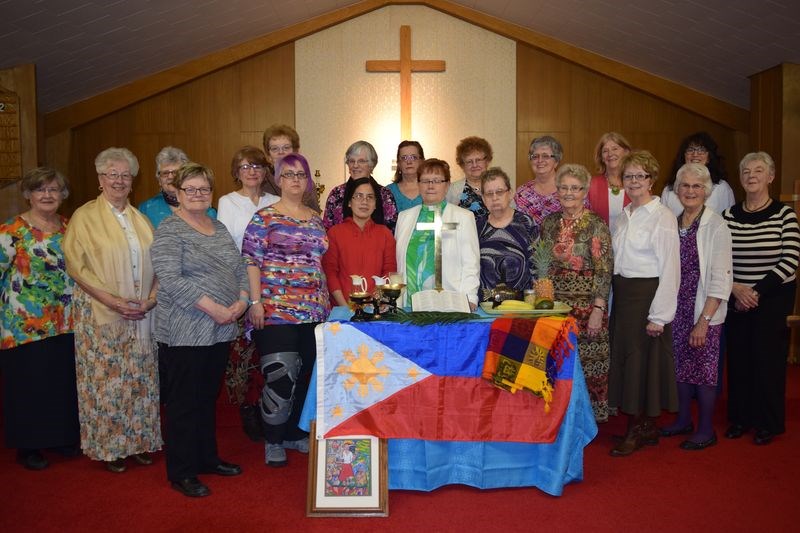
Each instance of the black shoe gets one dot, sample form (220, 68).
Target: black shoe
(685, 430)
(224, 469)
(694, 446)
(144, 458)
(117, 465)
(735, 431)
(191, 487)
(32, 459)
(251, 422)
(763, 437)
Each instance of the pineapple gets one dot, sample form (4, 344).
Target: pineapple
(542, 256)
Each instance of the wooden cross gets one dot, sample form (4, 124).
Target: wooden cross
(405, 66)
(437, 226)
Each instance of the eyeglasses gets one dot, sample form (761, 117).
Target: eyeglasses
(47, 190)
(697, 150)
(194, 191)
(493, 194)
(696, 187)
(359, 162)
(280, 149)
(473, 162)
(113, 176)
(166, 173)
(294, 176)
(409, 158)
(570, 188)
(432, 182)
(635, 177)
(248, 167)
(543, 157)
(361, 196)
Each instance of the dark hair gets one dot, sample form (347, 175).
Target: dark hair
(473, 144)
(40, 176)
(715, 165)
(350, 189)
(398, 175)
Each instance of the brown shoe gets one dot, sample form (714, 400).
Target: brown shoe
(117, 466)
(143, 458)
(648, 432)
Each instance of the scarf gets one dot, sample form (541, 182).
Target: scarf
(97, 256)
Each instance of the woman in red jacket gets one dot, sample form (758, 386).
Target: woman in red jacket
(361, 244)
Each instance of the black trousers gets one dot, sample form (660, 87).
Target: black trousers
(40, 398)
(758, 344)
(289, 338)
(194, 375)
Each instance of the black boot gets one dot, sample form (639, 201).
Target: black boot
(251, 422)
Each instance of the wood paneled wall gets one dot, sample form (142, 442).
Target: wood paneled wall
(210, 118)
(577, 105)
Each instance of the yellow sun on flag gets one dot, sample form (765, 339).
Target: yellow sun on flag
(335, 327)
(363, 370)
(337, 411)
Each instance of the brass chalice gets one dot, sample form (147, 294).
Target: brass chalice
(391, 291)
(360, 299)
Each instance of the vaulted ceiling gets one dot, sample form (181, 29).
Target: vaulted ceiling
(85, 47)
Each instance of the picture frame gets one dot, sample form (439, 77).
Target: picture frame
(347, 476)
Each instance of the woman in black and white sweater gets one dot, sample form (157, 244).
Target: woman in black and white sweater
(766, 246)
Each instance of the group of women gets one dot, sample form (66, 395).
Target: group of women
(104, 318)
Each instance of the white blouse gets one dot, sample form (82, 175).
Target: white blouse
(236, 211)
(646, 245)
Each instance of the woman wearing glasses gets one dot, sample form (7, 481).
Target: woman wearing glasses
(473, 155)
(416, 247)
(163, 204)
(40, 405)
(361, 244)
(607, 196)
(283, 246)
(280, 140)
(538, 197)
(107, 250)
(361, 159)
(250, 171)
(700, 148)
(581, 273)
(646, 279)
(405, 187)
(203, 289)
(505, 236)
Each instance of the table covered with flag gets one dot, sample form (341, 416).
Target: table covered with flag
(422, 388)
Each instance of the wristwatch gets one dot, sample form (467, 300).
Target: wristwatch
(707, 318)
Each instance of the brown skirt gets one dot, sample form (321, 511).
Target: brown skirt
(642, 370)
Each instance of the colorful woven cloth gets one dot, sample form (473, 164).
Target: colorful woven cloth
(527, 354)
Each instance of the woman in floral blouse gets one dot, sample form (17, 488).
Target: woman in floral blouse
(581, 272)
(40, 404)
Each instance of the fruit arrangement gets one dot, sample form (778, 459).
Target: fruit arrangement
(514, 305)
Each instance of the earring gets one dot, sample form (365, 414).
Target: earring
(100, 188)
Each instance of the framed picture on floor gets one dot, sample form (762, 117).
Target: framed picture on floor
(347, 476)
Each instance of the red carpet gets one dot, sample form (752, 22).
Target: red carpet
(734, 486)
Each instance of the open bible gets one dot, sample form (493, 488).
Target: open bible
(439, 300)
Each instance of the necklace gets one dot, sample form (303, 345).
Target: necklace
(759, 208)
(614, 188)
(683, 229)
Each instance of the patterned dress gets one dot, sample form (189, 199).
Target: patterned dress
(334, 207)
(506, 252)
(581, 271)
(472, 201)
(535, 205)
(288, 253)
(697, 366)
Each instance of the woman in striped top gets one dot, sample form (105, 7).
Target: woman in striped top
(766, 246)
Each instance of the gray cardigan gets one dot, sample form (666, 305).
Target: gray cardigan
(189, 265)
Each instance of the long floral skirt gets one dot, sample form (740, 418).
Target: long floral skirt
(574, 289)
(117, 378)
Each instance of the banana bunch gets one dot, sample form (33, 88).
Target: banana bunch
(514, 305)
